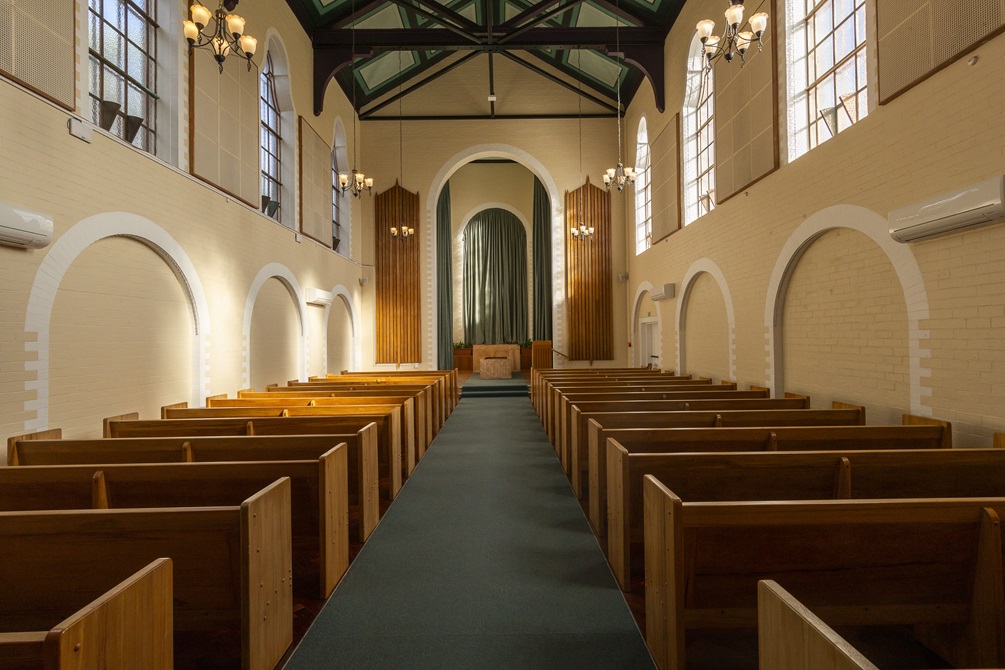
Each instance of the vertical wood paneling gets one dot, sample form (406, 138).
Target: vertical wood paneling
(589, 276)
(396, 269)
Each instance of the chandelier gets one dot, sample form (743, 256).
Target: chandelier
(405, 231)
(735, 40)
(581, 232)
(226, 36)
(620, 175)
(357, 182)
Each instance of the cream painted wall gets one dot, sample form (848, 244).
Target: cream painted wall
(102, 188)
(474, 188)
(706, 331)
(119, 314)
(844, 327)
(943, 134)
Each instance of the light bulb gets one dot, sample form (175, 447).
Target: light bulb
(343, 180)
(220, 48)
(744, 40)
(705, 29)
(200, 15)
(411, 231)
(734, 16)
(191, 32)
(359, 178)
(369, 183)
(235, 24)
(758, 22)
(248, 45)
(711, 46)
(394, 232)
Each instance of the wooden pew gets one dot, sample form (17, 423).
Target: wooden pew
(319, 499)
(934, 564)
(813, 475)
(414, 412)
(560, 397)
(403, 458)
(128, 626)
(438, 387)
(582, 412)
(540, 379)
(453, 389)
(561, 417)
(388, 432)
(791, 637)
(727, 412)
(937, 435)
(362, 484)
(231, 565)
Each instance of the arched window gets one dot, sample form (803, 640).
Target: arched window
(827, 70)
(643, 192)
(122, 55)
(699, 136)
(272, 142)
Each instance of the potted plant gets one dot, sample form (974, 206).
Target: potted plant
(463, 356)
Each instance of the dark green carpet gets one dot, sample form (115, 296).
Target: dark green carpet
(485, 560)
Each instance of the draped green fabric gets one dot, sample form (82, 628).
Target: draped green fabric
(542, 262)
(444, 284)
(495, 278)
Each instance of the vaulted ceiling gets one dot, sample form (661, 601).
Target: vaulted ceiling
(487, 58)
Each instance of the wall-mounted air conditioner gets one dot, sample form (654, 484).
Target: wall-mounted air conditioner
(950, 212)
(22, 228)
(666, 292)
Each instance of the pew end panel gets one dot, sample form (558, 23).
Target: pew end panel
(947, 427)
(130, 626)
(333, 485)
(791, 637)
(106, 423)
(618, 509)
(664, 575)
(12, 455)
(267, 576)
(837, 404)
(178, 405)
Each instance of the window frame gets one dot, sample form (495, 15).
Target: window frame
(100, 63)
(272, 184)
(700, 99)
(643, 190)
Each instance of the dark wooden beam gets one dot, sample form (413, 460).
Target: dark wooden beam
(439, 39)
(561, 9)
(561, 82)
(649, 60)
(497, 117)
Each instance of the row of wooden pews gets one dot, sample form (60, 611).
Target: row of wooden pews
(698, 497)
(255, 504)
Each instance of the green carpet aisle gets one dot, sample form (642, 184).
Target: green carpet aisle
(485, 560)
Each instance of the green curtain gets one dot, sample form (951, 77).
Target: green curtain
(542, 262)
(444, 284)
(495, 278)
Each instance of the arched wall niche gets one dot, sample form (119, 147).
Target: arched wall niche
(286, 277)
(642, 293)
(705, 267)
(874, 226)
(54, 267)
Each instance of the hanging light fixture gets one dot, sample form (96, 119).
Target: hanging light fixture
(226, 36)
(734, 40)
(357, 182)
(580, 232)
(401, 232)
(620, 175)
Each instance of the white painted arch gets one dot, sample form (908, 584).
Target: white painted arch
(529, 161)
(707, 266)
(912, 282)
(53, 268)
(644, 288)
(286, 276)
(342, 293)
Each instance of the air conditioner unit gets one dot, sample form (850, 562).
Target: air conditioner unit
(951, 212)
(22, 228)
(664, 293)
(319, 297)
